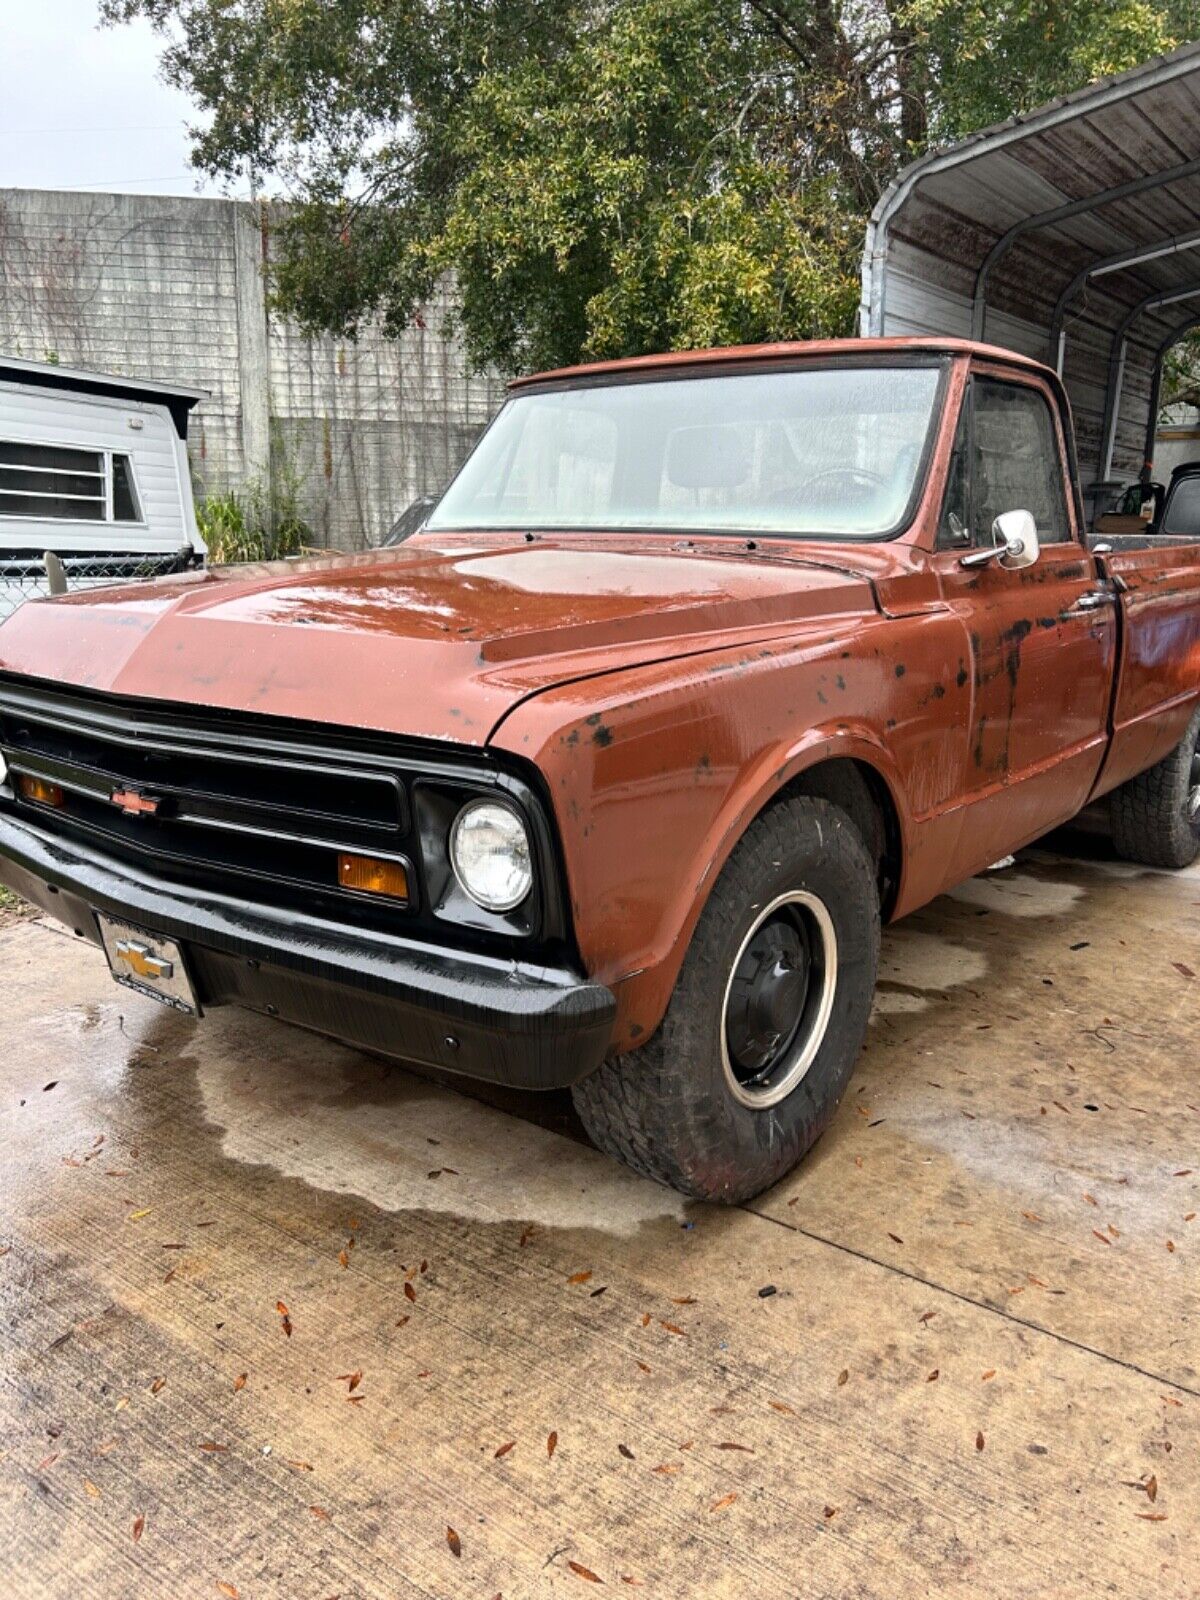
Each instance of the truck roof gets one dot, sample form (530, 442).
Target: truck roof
(178, 398)
(733, 355)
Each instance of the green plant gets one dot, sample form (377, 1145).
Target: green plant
(12, 905)
(254, 523)
(1181, 377)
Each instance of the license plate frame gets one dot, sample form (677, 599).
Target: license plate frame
(148, 963)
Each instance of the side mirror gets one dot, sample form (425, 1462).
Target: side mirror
(1017, 544)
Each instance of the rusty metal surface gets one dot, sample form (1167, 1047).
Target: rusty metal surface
(754, 354)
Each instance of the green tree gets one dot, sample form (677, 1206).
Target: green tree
(606, 176)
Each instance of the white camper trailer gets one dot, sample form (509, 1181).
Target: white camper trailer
(94, 481)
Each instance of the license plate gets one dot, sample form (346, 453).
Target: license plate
(148, 963)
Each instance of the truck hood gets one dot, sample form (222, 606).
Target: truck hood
(435, 640)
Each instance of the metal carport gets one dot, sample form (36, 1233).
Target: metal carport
(1071, 234)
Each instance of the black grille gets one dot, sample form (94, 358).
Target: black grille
(200, 799)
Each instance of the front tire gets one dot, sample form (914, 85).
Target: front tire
(1156, 816)
(766, 1021)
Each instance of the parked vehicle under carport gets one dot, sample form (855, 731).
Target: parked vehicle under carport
(606, 775)
(605, 779)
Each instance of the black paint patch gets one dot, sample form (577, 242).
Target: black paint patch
(901, 670)
(979, 742)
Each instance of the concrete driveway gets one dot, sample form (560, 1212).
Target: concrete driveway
(280, 1320)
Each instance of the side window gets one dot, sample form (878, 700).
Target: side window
(954, 529)
(1182, 518)
(1016, 465)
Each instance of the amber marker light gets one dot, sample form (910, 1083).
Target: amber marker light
(39, 791)
(367, 875)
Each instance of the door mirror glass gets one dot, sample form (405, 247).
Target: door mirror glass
(1016, 536)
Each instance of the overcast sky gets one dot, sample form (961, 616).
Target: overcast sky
(82, 107)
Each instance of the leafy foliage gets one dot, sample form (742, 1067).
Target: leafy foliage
(606, 176)
(254, 524)
(11, 906)
(1181, 377)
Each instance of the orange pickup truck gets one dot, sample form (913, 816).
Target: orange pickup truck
(701, 667)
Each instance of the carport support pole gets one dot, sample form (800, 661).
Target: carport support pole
(1152, 418)
(1112, 406)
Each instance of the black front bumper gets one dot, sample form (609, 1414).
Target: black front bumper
(508, 1022)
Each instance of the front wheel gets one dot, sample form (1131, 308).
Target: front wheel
(1156, 816)
(766, 1021)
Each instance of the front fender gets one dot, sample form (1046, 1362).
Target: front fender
(656, 772)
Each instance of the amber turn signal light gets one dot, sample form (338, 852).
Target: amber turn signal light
(39, 791)
(370, 876)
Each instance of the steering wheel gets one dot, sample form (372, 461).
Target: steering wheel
(854, 478)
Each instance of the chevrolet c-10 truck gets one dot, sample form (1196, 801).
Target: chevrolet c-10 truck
(702, 667)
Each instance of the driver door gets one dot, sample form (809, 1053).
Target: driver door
(1041, 641)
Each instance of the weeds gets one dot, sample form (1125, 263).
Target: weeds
(254, 523)
(12, 905)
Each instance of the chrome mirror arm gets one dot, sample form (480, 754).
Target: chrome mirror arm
(983, 558)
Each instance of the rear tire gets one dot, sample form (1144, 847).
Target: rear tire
(1156, 816)
(766, 1021)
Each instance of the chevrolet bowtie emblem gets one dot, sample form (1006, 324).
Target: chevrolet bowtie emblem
(133, 804)
(140, 959)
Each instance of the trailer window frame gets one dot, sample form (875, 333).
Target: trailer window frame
(107, 458)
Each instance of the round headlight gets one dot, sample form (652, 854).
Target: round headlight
(489, 851)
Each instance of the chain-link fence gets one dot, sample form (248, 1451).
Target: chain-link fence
(24, 576)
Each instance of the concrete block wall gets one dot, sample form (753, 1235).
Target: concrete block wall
(170, 288)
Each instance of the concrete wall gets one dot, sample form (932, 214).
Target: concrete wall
(168, 288)
(1178, 441)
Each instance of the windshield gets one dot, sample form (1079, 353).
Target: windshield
(831, 452)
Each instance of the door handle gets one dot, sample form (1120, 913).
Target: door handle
(1091, 600)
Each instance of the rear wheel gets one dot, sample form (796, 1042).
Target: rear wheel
(1156, 816)
(766, 1021)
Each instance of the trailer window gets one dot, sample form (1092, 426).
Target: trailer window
(124, 491)
(59, 483)
(38, 480)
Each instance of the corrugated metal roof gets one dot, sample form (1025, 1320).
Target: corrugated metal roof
(1071, 233)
